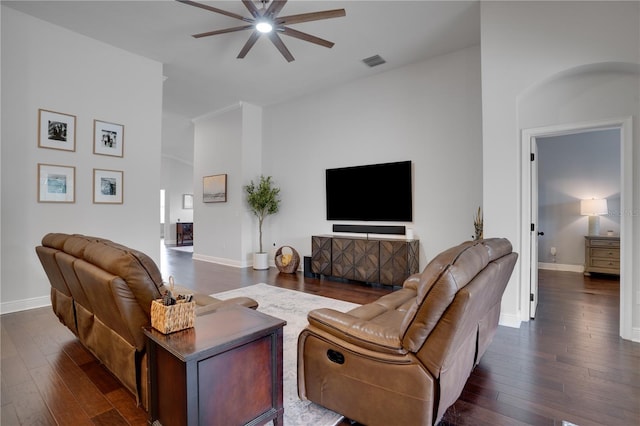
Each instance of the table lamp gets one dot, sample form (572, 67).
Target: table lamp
(593, 208)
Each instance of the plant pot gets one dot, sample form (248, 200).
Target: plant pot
(260, 261)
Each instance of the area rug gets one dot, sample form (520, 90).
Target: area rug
(292, 306)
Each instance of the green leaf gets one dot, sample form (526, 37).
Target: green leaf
(263, 200)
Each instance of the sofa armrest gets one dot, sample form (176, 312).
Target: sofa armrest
(219, 305)
(412, 282)
(206, 304)
(367, 334)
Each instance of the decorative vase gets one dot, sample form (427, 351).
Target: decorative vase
(260, 261)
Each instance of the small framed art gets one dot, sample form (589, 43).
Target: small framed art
(108, 138)
(56, 184)
(214, 189)
(187, 201)
(56, 130)
(107, 186)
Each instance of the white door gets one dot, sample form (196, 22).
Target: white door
(534, 229)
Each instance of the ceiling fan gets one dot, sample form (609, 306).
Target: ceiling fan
(265, 20)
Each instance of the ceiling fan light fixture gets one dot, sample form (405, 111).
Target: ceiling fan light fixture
(264, 26)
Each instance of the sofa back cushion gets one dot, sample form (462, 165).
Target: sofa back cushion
(136, 269)
(447, 273)
(441, 281)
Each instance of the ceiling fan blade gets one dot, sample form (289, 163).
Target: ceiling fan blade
(307, 37)
(251, 6)
(307, 17)
(274, 8)
(226, 30)
(213, 9)
(277, 41)
(249, 44)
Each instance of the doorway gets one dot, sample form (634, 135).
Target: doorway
(529, 246)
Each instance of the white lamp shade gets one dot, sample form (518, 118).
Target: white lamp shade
(593, 207)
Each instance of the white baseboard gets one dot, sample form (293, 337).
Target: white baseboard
(561, 267)
(220, 260)
(509, 320)
(24, 304)
(635, 334)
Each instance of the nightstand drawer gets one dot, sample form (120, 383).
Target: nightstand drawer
(605, 263)
(613, 253)
(605, 243)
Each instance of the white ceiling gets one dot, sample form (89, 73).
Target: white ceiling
(203, 75)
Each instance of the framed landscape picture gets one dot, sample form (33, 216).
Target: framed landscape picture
(56, 130)
(56, 184)
(107, 186)
(214, 189)
(108, 138)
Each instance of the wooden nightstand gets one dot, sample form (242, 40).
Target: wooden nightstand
(602, 255)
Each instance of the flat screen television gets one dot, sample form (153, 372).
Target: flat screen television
(375, 192)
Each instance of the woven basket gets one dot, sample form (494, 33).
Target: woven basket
(169, 319)
(172, 318)
(292, 266)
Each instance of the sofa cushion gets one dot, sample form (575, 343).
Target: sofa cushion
(450, 271)
(138, 271)
(55, 240)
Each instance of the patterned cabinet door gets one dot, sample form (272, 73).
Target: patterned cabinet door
(342, 258)
(413, 256)
(398, 260)
(321, 255)
(367, 260)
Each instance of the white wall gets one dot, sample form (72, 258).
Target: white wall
(176, 170)
(45, 66)
(177, 180)
(227, 142)
(523, 45)
(217, 150)
(571, 168)
(428, 113)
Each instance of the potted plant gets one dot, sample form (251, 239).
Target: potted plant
(263, 201)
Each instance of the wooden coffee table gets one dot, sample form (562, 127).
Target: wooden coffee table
(227, 370)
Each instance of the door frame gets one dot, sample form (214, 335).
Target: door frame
(533, 212)
(625, 126)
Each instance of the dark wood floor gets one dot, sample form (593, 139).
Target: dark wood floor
(569, 364)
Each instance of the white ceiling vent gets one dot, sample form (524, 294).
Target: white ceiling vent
(374, 61)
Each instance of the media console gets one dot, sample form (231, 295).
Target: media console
(375, 260)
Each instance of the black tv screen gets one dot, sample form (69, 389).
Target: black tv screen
(376, 192)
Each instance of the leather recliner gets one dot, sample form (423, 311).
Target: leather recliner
(405, 358)
(102, 291)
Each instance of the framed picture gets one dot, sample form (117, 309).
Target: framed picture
(108, 138)
(107, 186)
(56, 130)
(56, 184)
(187, 201)
(214, 189)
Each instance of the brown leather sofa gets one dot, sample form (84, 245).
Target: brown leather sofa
(102, 291)
(404, 359)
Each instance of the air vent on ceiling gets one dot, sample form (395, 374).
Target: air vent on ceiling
(374, 61)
